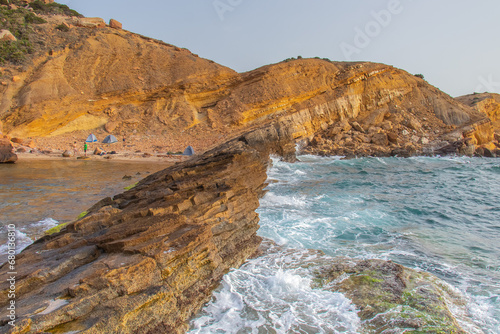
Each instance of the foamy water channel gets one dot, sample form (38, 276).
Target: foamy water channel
(439, 215)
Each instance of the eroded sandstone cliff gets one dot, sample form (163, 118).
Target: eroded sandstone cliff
(107, 79)
(146, 260)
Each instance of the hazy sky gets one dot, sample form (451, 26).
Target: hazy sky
(454, 43)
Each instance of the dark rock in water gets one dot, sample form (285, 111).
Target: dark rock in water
(67, 154)
(7, 154)
(484, 152)
(394, 298)
(451, 148)
(127, 177)
(404, 152)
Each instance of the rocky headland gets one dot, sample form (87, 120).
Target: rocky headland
(146, 260)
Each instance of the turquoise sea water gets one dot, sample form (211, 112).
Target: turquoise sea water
(440, 215)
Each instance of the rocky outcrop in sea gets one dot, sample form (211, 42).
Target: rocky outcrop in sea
(7, 154)
(147, 260)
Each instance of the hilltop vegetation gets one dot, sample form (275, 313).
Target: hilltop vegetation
(22, 20)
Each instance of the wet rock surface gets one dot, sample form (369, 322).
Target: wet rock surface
(394, 299)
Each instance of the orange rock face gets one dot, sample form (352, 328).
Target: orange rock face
(146, 260)
(115, 24)
(7, 36)
(111, 76)
(486, 103)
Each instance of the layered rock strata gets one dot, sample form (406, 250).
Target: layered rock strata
(146, 260)
(122, 82)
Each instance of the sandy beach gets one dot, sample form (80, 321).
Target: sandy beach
(128, 148)
(123, 156)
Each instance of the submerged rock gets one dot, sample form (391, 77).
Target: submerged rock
(67, 154)
(394, 299)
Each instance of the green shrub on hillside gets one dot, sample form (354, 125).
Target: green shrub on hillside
(15, 52)
(19, 23)
(53, 8)
(62, 27)
(32, 18)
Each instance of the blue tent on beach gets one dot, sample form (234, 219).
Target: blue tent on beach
(91, 138)
(109, 140)
(189, 151)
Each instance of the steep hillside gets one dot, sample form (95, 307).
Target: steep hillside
(486, 103)
(91, 77)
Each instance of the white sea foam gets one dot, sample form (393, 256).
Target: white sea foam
(484, 312)
(22, 241)
(271, 199)
(46, 223)
(273, 294)
(25, 235)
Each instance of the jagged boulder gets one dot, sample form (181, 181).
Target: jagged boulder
(356, 126)
(395, 298)
(89, 22)
(6, 35)
(148, 259)
(7, 154)
(380, 139)
(67, 154)
(115, 24)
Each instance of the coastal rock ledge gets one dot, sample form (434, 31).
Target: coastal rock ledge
(148, 259)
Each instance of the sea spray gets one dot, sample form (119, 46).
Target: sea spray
(274, 293)
(439, 215)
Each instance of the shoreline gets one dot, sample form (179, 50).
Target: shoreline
(119, 157)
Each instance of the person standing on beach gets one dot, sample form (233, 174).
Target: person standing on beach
(85, 148)
(75, 150)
